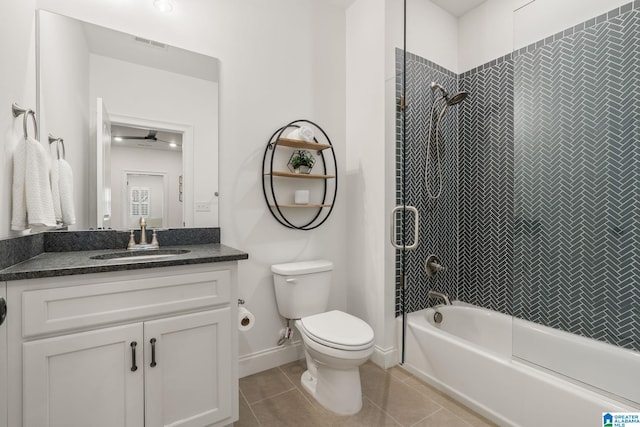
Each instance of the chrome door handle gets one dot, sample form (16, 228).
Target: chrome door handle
(416, 229)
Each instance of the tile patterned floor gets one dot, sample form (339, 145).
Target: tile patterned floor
(390, 398)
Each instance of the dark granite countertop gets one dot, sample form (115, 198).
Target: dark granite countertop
(52, 264)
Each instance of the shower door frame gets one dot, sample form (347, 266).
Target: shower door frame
(402, 207)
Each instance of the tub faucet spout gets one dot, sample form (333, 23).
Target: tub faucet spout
(444, 297)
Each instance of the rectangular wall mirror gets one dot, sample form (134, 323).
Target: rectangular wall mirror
(138, 117)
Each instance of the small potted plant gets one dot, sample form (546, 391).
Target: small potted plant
(301, 161)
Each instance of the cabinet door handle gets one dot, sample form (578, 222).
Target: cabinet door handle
(153, 352)
(3, 310)
(133, 356)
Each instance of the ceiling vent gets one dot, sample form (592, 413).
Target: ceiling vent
(150, 43)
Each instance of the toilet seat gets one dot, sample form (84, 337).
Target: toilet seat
(338, 330)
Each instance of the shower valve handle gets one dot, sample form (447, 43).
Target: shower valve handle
(432, 265)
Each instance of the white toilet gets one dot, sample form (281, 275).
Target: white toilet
(335, 343)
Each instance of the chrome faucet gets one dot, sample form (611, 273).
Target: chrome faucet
(444, 297)
(143, 238)
(143, 231)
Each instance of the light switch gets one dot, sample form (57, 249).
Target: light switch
(203, 207)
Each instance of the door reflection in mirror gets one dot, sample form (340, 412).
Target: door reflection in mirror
(146, 168)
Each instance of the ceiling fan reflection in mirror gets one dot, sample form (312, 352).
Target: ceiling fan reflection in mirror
(146, 138)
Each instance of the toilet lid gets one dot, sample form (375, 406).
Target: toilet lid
(339, 330)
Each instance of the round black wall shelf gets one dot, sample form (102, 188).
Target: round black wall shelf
(326, 160)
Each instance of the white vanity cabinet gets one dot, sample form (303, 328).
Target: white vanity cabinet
(153, 347)
(192, 353)
(83, 379)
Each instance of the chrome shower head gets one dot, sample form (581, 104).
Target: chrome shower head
(448, 102)
(456, 98)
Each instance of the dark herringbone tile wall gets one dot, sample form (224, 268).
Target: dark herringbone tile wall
(577, 182)
(438, 217)
(486, 188)
(546, 178)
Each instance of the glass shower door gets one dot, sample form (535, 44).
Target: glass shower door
(577, 234)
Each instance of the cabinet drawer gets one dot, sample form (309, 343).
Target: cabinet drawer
(47, 311)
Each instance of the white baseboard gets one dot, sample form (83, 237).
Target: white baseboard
(385, 358)
(263, 360)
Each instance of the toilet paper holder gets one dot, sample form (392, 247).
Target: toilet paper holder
(246, 319)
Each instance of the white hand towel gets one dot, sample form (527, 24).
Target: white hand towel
(303, 133)
(66, 193)
(31, 188)
(19, 199)
(55, 190)
(40, 211)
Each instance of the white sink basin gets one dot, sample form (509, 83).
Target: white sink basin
(145, 255)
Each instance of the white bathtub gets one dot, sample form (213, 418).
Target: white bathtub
(469, 356)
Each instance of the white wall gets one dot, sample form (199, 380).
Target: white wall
(17, 48)
(371, 282)
(497, 27)
(485, 33)
(127, 159)
(64, 101)
(134, 90)
(432, 33)
(271, 75)
(364, 162)
(543, 18)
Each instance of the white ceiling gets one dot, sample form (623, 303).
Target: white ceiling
(342, 3)
(458, 7)
(454, 7)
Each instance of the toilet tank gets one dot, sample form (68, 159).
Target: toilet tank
(302, 288)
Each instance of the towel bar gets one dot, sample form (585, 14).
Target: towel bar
(59, 141)
(17, 111)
